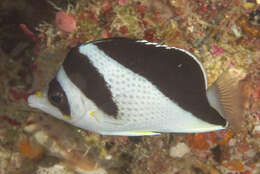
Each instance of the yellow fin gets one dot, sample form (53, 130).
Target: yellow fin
(140, 133)
(131, 133)
(92, 114)
(228, 97)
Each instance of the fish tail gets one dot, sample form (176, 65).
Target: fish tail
(226, 97)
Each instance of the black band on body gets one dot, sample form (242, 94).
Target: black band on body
(86, 77)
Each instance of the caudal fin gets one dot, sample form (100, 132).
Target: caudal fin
(226, 97)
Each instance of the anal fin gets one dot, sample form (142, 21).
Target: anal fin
(131, 133)
(142, 133)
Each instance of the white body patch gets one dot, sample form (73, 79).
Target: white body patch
(142, 107)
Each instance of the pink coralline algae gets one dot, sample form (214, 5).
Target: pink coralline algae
(122, 2)
(65, 22)
(217, 50)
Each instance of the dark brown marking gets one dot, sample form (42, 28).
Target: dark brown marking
(57, 97)
(86, 77)
(175, 73)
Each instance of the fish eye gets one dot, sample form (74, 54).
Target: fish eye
(56, 99)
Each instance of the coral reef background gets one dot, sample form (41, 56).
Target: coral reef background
(34, 39)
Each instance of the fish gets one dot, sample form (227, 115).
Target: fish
(129, 87)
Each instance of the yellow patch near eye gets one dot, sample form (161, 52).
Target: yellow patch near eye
(67, 117)
(38, 94)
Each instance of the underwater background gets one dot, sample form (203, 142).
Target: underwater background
(35, 37)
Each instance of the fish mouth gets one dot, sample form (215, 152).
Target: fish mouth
(41, 102)
(37, 100)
